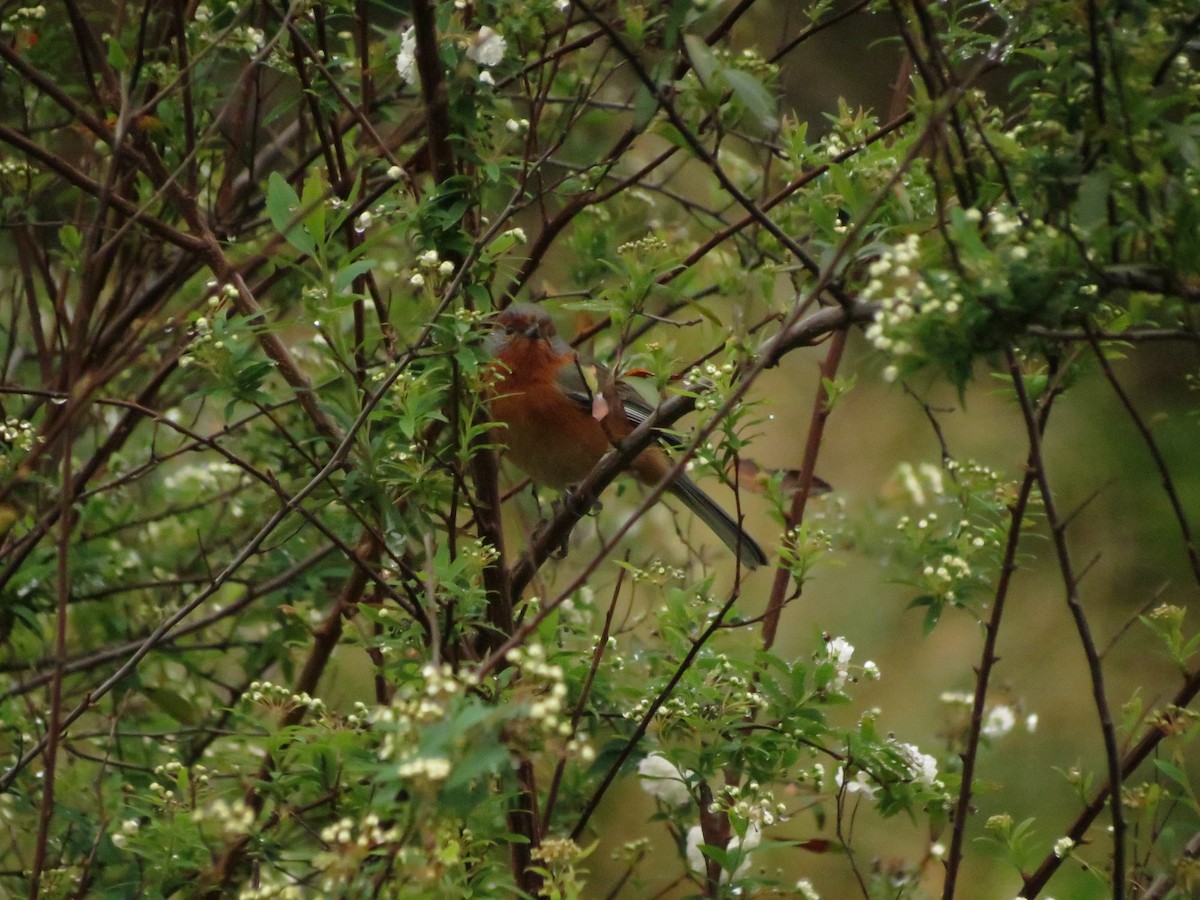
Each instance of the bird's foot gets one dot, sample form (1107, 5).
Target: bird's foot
(559, 551)
(576, 502)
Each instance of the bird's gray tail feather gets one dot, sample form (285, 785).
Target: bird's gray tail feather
(721, 523)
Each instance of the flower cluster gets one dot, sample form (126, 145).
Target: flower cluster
(658, 573)
(213, 475)
(129, 828)
(900, 764)
(18, 434)
(415, 707)
(725, 693)
(23, 17)
(901, 292)
(175, 770)
(14, 171)
(206, 348)
(543, 690)
(950, 552)
(232, 819)
(752, 803)
(534, 713)
(558, 851)
(274, 696)
(649, 245)
(486, 48)
(430, 263)
(838, 653)
(347, 844)
(948, 307)
(922, 767)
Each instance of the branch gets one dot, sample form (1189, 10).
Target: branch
(1071, 583)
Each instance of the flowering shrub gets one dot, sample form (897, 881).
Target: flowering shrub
(278, 622)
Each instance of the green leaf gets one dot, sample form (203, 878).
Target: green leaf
(347, 274)
(70, 238)
(281, 201)
(282, 204)
(1091, 204)
(1173, 772)
(504, 242)
(755, 96)
(704, 61)
(645, 105)
(116, 54)
(312, 200)
(174, 705)
(1184, 139)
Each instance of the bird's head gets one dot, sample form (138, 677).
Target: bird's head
(521, 326)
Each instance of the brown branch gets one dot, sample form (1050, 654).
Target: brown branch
(73, 176)
(433, 90)
(816, 431)
(1160, 463)
(983, 672)
(1071, 585)
(1162, 728)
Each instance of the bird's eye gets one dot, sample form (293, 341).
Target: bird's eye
(510, 329)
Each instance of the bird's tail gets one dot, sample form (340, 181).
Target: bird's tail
(721, 523)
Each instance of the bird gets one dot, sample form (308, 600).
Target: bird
(556, 422)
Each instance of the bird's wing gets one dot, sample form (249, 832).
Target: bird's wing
(585, 385)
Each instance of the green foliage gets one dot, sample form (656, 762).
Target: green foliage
(271, 627)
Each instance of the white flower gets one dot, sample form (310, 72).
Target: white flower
(487, 48)
(840, 650)
(417, 280)
(696, 859)
(999, 722)
(446, 268)
(662, 780)
(395, 173)
(806, 891)
(406, 59)
(1031, 722)
(1063, 846)
(957, 698)
(485, 77)
(860, 785)
(870, 670)
(921, 766)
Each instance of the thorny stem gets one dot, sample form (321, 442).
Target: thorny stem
(1071, 585)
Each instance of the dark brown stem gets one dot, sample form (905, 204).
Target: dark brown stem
(812, 447)
(1071, 584)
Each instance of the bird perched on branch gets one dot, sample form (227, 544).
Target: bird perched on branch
(558, 422)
